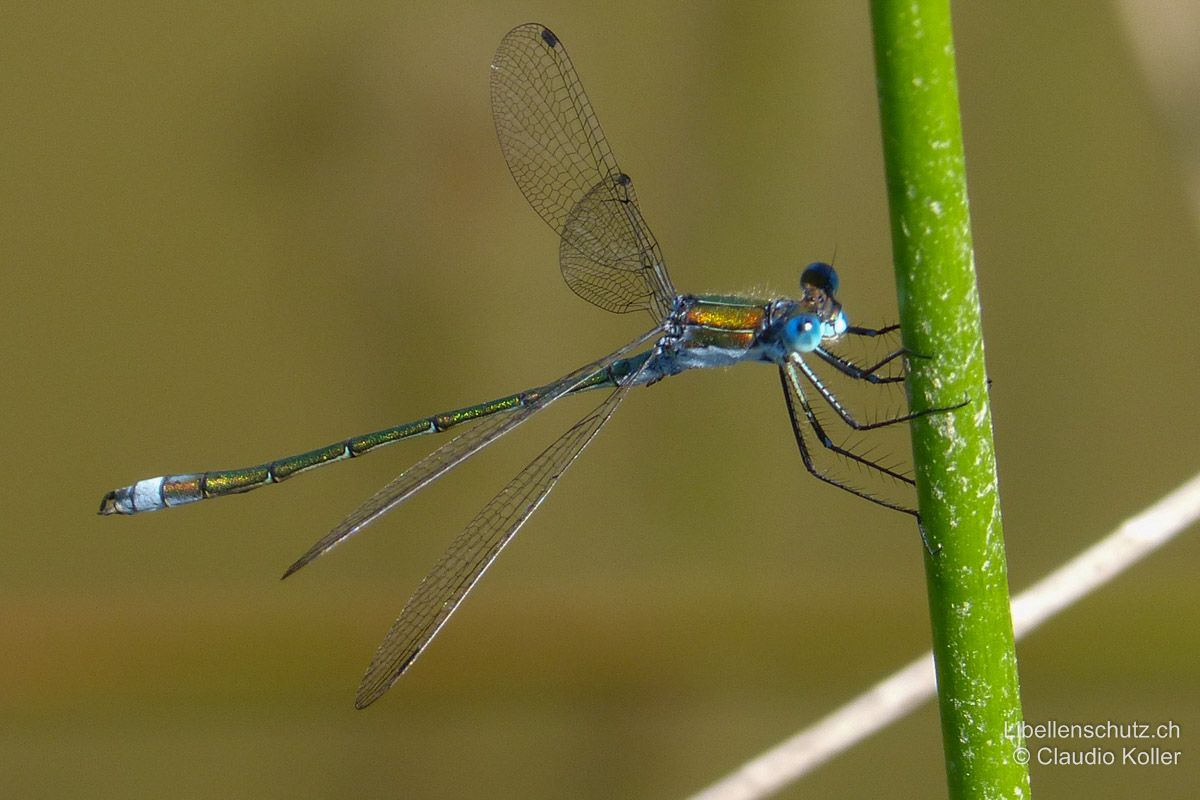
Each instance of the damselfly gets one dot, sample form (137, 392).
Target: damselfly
(561, 161)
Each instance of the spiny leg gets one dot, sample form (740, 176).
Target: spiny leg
(827, 441)
(862, 373)
(846, 416)
(794, 396)
(855, 330)
(848, 367)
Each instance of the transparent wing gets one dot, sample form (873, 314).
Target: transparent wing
(469, 556)
(454, 452)
(560, 159)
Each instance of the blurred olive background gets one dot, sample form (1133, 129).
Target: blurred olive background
(238, 231)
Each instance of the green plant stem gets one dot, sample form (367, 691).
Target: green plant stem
(967, 580)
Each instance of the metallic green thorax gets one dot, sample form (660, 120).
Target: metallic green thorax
(724, 322)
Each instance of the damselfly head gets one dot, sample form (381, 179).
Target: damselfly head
(819, 282)
(820, 275)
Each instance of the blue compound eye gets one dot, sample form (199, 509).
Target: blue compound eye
(802, 333)
(820, 276)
